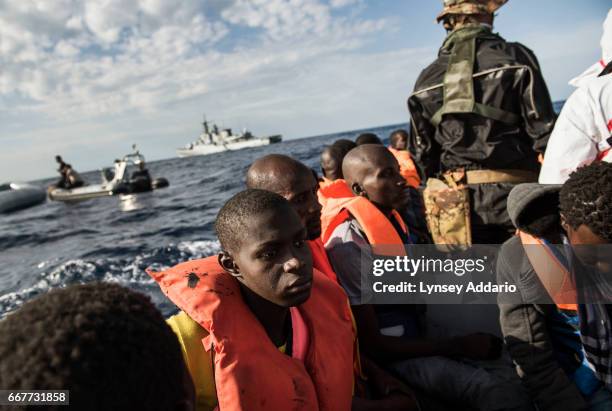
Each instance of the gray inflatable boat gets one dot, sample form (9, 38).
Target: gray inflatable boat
(17, 196)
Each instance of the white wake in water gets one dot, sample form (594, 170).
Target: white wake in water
(128, 272)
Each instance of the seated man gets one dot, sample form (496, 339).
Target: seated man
(331, 164)
(399, 148)
(69, 177)
(543, 339)
(107, 345)
(260, 329)
(63, 181)
(414, 214)
(331, 160)
(73, 178)
(392, 333)
(333, 184)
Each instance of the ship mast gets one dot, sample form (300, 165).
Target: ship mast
(205, 125)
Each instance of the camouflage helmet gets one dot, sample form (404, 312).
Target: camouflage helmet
(470, 7)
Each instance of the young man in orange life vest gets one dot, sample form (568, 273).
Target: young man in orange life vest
(399, 148)
(260, 329)
(414, 214)
(333, 184)
(390, 333)
(295, 182)
(331, 160)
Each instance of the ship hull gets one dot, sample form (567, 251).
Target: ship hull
(207, 149)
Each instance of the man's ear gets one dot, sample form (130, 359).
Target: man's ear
(227, 262)
(564, 223)
(358, 190)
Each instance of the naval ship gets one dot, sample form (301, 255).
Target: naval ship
(215, 140)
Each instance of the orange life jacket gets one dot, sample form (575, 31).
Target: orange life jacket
(376, 226)
(554, 276)
(407, 168)
(250, 372)
(324, 182)
(333, 189)
(320, 261)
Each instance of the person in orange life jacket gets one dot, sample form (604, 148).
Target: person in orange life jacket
(399, 148)
(331, 160)
(331, 163)
(542, 338)
(274, 329)
(414, 214)
(392, 334)
(368, 138)
(333, 185)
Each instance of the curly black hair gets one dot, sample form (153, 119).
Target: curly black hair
(106, 344)
(586, 198)
(240, 209)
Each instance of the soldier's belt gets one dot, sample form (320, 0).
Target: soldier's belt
(500, 176)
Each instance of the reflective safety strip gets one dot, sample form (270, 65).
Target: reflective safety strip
(552, 272)
(458, 81)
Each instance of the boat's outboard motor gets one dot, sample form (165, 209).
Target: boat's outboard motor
(121, 188)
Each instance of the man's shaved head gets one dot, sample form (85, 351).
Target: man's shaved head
(372, 172)
(292, 180)
(360, 161)
(275, 172)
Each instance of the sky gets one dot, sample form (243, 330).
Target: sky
(88, 78)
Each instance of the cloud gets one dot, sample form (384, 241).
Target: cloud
(93, 58)
(281, 19)
(336, 4)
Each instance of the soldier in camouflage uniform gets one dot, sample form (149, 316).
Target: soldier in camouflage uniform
(481, 114)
